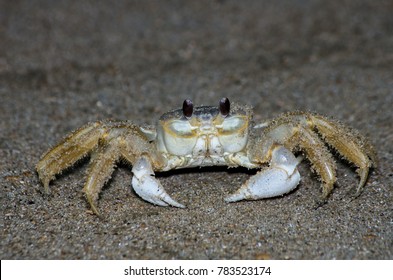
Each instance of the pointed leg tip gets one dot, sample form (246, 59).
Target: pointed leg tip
(357, 193)
(92, 204)
(363, 173)
(46, 187)
(95, 210)
(46, 190)
(321, 201)
(327, 189)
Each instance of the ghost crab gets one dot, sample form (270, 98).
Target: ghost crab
(210, 136)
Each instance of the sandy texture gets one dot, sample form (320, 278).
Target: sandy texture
(64, 63)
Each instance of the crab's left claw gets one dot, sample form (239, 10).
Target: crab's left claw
(148, 187)
(280, 178)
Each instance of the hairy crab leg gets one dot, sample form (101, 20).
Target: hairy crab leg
(349, 144)
(74, 147)
(296, 130)
(279, 178)
(319, 156)
(107, 142)
(102, 164)
(148, 187)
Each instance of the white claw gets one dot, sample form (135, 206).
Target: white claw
(280, 178)
(148, 187)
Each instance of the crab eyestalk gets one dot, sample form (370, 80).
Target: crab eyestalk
(224, 106)
(188, 108)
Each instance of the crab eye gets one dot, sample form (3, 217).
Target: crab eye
(188, 108)
(224, 106)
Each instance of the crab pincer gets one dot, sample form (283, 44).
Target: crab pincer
(278, 179)
(148, 187)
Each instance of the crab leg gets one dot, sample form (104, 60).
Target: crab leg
(320, 158)
(106, 143)
(279, 178)
(148, 187)
(66, 153)
(102, 164)
(349, 144)
(296, 131)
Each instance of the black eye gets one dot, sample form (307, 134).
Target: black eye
(188, 107)
(225, 106)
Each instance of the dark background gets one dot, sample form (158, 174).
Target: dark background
(64, 63)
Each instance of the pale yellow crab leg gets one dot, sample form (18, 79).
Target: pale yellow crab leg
(279, 178)
(349, 144)
(296, 131)
(75, 146)
(148, 187)
(102, 164)
(125, 141)
(320, 158)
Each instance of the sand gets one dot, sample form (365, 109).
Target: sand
(63, 64)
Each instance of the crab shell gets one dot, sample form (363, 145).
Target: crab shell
(206, 138)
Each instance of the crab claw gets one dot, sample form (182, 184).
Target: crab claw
(280, 178)
(148, 187)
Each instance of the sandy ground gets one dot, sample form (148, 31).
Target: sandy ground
(65, 63)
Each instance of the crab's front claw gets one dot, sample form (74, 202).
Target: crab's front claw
(280, 178)
(148, 187)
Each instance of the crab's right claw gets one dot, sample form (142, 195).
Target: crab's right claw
(280, 178)
(148, 187)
